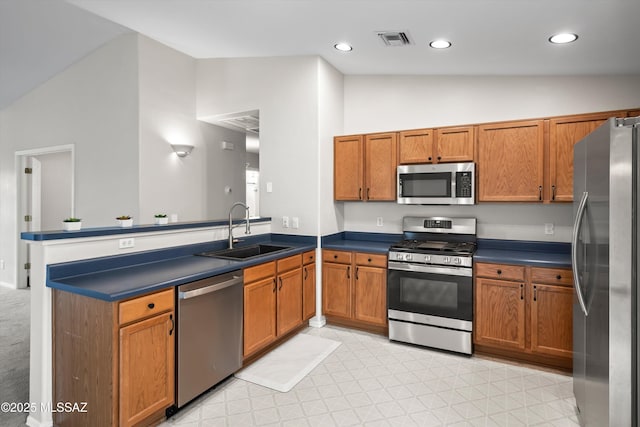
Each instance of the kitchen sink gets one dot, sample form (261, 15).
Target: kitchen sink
(245, 251)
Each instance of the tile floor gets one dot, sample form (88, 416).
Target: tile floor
(369, 381)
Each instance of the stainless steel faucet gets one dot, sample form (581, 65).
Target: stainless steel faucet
(231, 226)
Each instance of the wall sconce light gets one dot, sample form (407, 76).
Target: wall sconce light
(182, 150)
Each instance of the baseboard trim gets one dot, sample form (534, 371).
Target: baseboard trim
(317, 321)
(8, 285)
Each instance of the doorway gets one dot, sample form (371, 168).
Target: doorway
(46, 196)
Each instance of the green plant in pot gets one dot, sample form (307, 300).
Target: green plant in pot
(125, 221)
(161, 219)
(72, 224)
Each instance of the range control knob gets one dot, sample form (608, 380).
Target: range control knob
(398, 256)
(447, 260)
(408, 257)
(457, 261)
(427, 258)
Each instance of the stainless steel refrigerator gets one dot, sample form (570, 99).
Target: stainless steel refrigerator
(605, 259)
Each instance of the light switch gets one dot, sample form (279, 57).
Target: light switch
(269, 187)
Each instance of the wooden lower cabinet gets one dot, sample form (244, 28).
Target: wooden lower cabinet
(308, 285)
(272, 302)
(525, 313)
(354, 289)
(116, 356)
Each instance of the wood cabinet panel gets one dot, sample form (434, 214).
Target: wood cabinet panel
(564, 133)
(552, 320)
(348, 180)
(370, 295)
(336, 289)
(260, 271)
(259, 314)
(289, 301)
(380, 166)
(146, 368)
(415, 146)
(501, 271)
(308, 257)
(371, 260)
(145, 306)
(308, 291)
(340, 257)
(455, 144)
(552, 276)
(511, 161)
(633, 113)
(500, 313)
(289, 263)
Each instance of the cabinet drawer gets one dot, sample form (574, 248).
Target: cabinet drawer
(308, 257)
(374, 260)
(340, 257)
(289, 263)
(145, 306)
(553, 276)
(501, 271)
(261, 271)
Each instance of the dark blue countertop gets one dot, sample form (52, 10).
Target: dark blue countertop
(144, 228)
(537, 254)
(360, 242)
(124, 276)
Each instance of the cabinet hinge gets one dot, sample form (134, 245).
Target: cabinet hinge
(28, 218)
(28, 171)
(27, 266)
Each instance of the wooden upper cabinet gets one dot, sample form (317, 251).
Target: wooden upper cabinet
(415, 146)
(633, 113)
(348, 167)
(455, 144)
(511, 161)
(564, 133)
(380, 166)
(446, 145)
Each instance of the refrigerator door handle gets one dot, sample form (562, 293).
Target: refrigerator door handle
(574, 251)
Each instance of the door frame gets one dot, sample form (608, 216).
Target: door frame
(21, 160)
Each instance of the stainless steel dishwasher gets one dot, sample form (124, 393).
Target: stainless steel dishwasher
(209, 333)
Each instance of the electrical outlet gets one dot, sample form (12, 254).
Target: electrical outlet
(126, 243)
(379, 221)
(285, 222)
(295, 222)
(548, 228)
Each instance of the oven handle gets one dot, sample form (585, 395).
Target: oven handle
(419, 268)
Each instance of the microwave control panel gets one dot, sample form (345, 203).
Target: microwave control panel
(464, 184)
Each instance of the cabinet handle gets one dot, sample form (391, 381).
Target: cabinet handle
(359, 193)
(368, 193)
(280, 278)
(173, 324)
(275, 286)
(499, 271)
(357, 268)
(305, 273)
(429, 158)
(439, 158)
(521, 290)
(349, 272)
(311, 257)
(540, 192)
(553, 192)
(558, 277)
(335, 257)
(535, 293)
(369, 260)
(151, 305)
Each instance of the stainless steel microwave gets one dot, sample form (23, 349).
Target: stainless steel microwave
(437, 184)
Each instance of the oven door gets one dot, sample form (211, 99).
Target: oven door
(430, 292)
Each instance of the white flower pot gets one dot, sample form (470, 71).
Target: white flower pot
(161, 221)
(72, 226)
(125, 222)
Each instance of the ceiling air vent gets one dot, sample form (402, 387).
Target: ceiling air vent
(394, 38)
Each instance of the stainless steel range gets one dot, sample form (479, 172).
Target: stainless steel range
(430, 283)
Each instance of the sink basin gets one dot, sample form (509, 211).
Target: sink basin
(245, 251)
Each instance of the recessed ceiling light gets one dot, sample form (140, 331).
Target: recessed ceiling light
(563, 38)
(440, 44)
(343, 47)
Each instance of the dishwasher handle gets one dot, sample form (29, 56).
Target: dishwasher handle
(236, 280)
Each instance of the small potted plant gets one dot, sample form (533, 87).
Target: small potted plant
(161, 219)
(72, 224)
(125, 221)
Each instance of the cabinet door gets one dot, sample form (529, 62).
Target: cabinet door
(308, 291)
(415, 146)
(564, 133)
(348, 168)
(259, 314)
(510, 162)
(289, 301)
(552, 320)
(455, 144)
(336, 289)
(380, 166)
(146, 368)
(370, 295)
(499, 315)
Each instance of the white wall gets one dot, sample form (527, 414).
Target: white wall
(387, 103)
(285, 90)
(225, 168)
(55, 189)
(169, 184)
(94, 106)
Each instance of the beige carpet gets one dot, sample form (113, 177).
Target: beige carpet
(14, 352)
